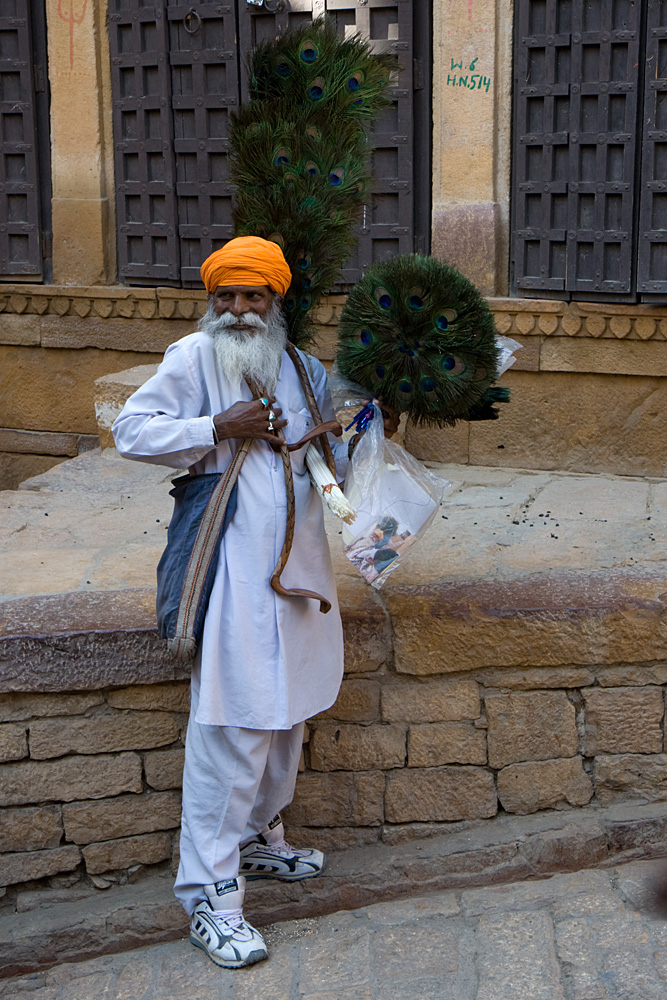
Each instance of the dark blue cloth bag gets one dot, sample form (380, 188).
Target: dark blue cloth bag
(191, 496)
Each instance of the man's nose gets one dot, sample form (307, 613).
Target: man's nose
(238, 306)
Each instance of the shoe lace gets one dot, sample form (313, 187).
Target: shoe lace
(286, 848)
(233, 920)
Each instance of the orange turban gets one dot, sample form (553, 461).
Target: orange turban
(247, 260)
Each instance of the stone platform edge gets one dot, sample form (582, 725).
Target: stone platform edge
(79, 641)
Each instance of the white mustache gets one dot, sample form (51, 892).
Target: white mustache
(228, 319)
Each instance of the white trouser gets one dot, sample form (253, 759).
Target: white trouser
(234, 782)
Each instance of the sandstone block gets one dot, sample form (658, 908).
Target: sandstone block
(356, 748)
(36, 706)
(440, 794)
(123, 816)
(366, 631)
(30, 829)
(29, 865)
(146, 849)
(357, 701)
(24, 330)
(333, 800)
(13, 742)
(631, 676)
(51, 389)
(630, 446)
(623, 777)
(531, 678)
(623, 720)
(173, 697)
(438, 700)
(101, 733)
(15, 468)
(536, 725)
(445, 743)
(69, 779)
(544, 784)
(164, 768)
(335, 838)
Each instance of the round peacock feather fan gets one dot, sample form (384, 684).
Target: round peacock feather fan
(417, 334)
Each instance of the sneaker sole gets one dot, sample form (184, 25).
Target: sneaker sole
(262, 877)
(252, 959)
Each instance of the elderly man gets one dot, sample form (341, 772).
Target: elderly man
(267, 662)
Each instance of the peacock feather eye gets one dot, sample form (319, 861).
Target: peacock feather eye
(283, 69)
(308, 52)
(307, 283)
(290, 304)
(480, 374)
(314, 133)
(282, 157)
(383, 298)
(427, 385)
(442, 323)
(289, 176)
(337, 176)
(355, 81)
(303, 263)
(316, 89)
(453, 365)
(405, 388)
(312, 168)
(416, 298)
(380, 371)
(305, 302)
(276, 238)
(364, 336)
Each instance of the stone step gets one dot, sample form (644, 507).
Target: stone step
(505, 850)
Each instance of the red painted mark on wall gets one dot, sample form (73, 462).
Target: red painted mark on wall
(71, 18)
(470, 10)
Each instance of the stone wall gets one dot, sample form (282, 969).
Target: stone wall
(89, 784)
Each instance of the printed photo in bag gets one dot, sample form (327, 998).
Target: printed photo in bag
(373, 554)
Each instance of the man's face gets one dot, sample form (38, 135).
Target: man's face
(241, 299)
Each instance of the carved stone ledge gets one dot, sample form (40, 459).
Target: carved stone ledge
(514, 317)
(596, 320)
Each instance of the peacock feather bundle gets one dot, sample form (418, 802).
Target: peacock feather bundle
(419, 335)
(300, 154)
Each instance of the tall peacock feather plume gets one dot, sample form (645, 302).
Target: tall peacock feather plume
(300, 154)
(418, 334)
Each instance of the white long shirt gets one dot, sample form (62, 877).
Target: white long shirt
(267, 662)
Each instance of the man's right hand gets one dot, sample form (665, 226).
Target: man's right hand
(251, 420)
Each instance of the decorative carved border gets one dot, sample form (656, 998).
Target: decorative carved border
(523, 317)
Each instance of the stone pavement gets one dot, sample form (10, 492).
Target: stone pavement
(591, 935)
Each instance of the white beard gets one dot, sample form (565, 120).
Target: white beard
(241, 353)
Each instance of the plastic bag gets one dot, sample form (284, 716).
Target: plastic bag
(345, 392)
(507, 348)
(395, 497)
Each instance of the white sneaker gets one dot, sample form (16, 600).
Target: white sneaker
(218, 927)
(270, 856)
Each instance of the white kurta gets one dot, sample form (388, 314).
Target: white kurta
(267, 662)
